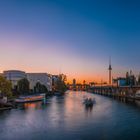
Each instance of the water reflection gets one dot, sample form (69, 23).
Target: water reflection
(88, 108)
(129, 101)
(68, 118)
(37, 105)
(137, 103)
(30, 106)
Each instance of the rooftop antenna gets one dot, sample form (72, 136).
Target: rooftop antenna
(110, 71)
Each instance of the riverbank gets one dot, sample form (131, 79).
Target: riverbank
(30, 98)
(5, 108)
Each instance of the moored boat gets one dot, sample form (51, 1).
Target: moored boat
(31, 98)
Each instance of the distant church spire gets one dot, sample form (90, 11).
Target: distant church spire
(110, 70)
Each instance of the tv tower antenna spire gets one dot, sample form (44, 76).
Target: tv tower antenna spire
(110, 71)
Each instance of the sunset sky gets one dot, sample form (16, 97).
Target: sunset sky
(74, 37)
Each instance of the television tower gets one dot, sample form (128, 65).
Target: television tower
(110, 72)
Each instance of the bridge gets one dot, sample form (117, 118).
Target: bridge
(79, 87)
(107, 90)
(114, 91)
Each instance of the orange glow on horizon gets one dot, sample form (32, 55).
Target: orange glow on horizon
(21, 53)
(87, 79)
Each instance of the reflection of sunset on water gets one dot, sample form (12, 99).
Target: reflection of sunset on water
(34, 105)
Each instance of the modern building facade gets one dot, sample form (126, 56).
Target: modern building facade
(121, 81)
(42, 78)
(14, 76)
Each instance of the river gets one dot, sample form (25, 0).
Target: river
(66, 118)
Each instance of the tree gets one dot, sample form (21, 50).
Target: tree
(23, 86)
(40, 88)
(60, 84)
(44, 89)
(37, 87)
(5, 87)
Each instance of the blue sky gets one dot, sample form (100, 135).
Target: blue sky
(86, 31)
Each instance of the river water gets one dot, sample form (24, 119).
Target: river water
(66, 118)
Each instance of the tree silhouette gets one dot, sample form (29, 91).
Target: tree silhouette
(23, 86)
(40, 88)
(60, 84)
(5, 87)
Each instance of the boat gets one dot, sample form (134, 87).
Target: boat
(30, 98)
(89, 102)
(137, 95)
